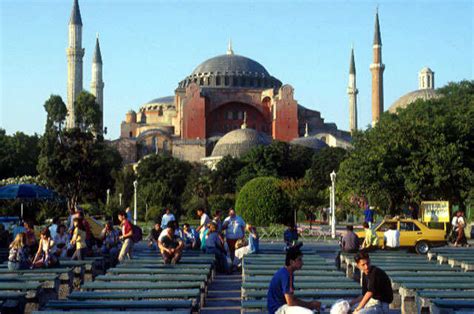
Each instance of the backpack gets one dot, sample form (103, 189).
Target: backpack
(137, 234)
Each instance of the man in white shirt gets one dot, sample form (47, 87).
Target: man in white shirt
(392, 238)
(203, 223)
(167, 217)
(234, 227)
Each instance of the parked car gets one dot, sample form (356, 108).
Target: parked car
(413, 234)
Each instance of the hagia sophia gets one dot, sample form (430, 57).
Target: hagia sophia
(227, 105)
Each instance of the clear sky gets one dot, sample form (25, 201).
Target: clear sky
(149, 46)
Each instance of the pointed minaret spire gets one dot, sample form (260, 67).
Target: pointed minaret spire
(97, 84)
(229, 48)
(97, 55)
(244, 125)
(352, 91)
(74, 53)
(377, 68)
(306, 133)
(75, 14)
(377, 37)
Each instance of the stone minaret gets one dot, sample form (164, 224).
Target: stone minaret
(97, 85)
(426, 79)
(352, 91)
(74, 52)
(377, 68)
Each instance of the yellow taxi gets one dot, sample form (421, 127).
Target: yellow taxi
(413, 234)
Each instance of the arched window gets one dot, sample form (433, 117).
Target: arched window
(130, 134)
(218, 80)
(226, 81)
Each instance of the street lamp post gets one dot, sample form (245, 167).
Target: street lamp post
(120, 199)
(135, 185)
(108, 197)
(333, 204)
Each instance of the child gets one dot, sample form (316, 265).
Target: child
(18, 257)
(43, 257)
(79, 240)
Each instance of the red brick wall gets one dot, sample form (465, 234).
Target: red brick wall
(194, 114)
(285, 122)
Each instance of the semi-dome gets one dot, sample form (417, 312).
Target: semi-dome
(238, 142)
(411, 97)
(231, 71)
(310, 142)
(154, 104)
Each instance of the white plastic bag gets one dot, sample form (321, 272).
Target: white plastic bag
(340, 307)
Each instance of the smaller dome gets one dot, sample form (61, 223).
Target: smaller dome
(161, 100)
(310, 142)
(411, 97)
(238, 142)
(426, 70)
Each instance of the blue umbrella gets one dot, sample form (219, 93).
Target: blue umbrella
(25, 192)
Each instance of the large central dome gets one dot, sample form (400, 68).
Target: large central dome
(231, 71)
(231, 64)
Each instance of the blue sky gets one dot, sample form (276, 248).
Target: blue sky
(149, 46)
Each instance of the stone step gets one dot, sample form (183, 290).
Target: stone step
(220, 310)
(220, 294)
(225, 298)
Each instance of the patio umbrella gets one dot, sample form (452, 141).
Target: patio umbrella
(25, 192)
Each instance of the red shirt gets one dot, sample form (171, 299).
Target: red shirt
(126, 227)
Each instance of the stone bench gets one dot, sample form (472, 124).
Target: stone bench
(444, 306)
(316, 294)
(120, 305)
(257, 272)
(159, 277)
(408, 291)
(66, 277)
(298, 278)
(261, 305)
(34, 294)
(424, 297)
(12, 302)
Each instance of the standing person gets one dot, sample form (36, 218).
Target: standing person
(280, 296)
(128, 211)
(167, 217)
(31, 243)
(17, 257)
(44, 257)
(391, 238)
(154, 235)
(202, 224)
(171, 246)
(461, 224)
(234, 227)
(370, 240)
(79, 239)
(215, 245)
(377, 291)
(252, 247)
(368, 214)
(60, 242)
(126, 237)
(53, 229)
(217, 220)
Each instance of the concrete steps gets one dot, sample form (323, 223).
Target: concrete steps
(223, 295)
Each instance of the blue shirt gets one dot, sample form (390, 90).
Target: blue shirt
(369, 215)
(289, 236)
(253, 244)
(235, 227)
(280, 285)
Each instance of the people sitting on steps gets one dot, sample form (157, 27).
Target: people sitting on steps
(171, 246)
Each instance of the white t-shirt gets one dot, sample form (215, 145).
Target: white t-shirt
(204, 221)
(392, 238)
(53, 230)
(165, 219)
(454, 222)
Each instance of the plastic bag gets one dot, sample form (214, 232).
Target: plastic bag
(340, 307)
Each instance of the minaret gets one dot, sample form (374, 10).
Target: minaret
(74, 52)
(97, 85)
(426, 79)
(377, 68)
(352, 91)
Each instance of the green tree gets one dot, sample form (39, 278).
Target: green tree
(57, 112)
(424, 152)
(225, 176)
(262, 201)
(88, 113)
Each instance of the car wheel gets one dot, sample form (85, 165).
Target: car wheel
(422, 247)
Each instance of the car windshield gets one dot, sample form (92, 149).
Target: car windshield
(408, 226)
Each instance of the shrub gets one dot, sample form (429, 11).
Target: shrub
(262, 201)
(221, 202)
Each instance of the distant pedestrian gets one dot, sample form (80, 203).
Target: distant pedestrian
(204, 221)
(18, 257)
(218, 220)
(154, 236)
(79, 239)
(349, 244)
(126, 237)
(215, 245)
(234, 227)
(128, 211)
(167, 217)
(377, 291)
(61, 241)
(291, 236)
(54, 227)
(369, 214)
(459, 230)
